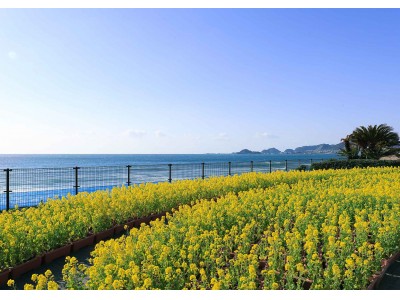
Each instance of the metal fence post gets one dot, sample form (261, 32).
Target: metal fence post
(129, 175)
(170, 173)
(202, 170)
(270, 166)
(7, 191)
(251, 166)
(286, 165)
(229, 168)
(76, 186)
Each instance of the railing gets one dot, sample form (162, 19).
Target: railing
(29, 187)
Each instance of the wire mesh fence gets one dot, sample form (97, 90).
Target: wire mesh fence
(186, 171)
(149, 173)
(91, 179)
(29, 187)
(216, 169)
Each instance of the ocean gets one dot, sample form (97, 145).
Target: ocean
(27, 180)
(93, 160)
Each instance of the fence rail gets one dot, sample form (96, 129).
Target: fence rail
(29, 187)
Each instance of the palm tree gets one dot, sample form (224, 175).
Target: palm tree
(350, 150)
(371, 142)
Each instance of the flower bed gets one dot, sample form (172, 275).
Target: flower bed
(31, 232)
(16, 271)
(329, 232)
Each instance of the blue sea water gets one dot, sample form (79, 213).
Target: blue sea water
(84, 160)
(36, 178)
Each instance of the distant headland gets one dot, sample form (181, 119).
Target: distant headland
(316, 149)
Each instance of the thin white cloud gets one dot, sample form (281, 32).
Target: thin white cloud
(159, 134)
(190, 136)
(12, 55)
(135, 133)
(266, 135)
(223, 136)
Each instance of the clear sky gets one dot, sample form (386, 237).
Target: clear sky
(194, 80)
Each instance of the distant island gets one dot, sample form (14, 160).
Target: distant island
(247, 151)
(316, 149)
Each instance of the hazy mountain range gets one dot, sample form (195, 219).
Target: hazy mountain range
(316, 149)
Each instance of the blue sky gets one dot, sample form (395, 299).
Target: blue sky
(194, 80)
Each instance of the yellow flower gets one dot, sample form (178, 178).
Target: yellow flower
(348, 273)
(336, 270)
(193, 267)
(216, 285)
(109, 279)
(314, 256)
(118, 284)
(147, 283)
(300, 267)
(10, 282)
(349, 263)
(330, 254)
(220, 272)
(48, 273)
(135, 279)
(52, 285)
(168, 270)
(28, 286)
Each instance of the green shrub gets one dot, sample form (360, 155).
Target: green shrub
(353, 163)
(302, 168)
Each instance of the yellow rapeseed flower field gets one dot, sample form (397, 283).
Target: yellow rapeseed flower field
(32, 231)
(322, 229)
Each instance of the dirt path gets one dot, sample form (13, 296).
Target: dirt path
(391, 279)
